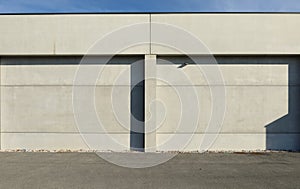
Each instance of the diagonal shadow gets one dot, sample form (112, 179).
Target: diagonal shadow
(284, 133)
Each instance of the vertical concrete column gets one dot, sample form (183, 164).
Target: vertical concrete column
(150, 109)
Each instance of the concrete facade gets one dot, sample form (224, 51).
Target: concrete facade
(257, 55)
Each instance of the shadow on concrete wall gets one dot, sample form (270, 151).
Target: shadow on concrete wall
(137, 101)
(284, 133)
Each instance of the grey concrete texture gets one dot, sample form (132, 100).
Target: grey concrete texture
(228, 33)
(37, 111)
(69, 34)
(87, 170)
(222, 33)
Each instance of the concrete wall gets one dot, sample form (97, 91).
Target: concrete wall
(257, 56)
(66, 34)
(37, 108)
(256, 95)
(221, 33)
(234, 33)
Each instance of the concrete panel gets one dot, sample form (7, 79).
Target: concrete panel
(248, 108)
(222, 33)
(233, 33)
(150, 107)
(68, 34)
(65, 74)
(50, 109)
(233, 74)
(226, 142)
(62, 141)
(62, 75)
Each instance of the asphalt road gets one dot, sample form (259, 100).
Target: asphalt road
(87, 170)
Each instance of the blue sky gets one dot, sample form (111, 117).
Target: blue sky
(54, 6)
